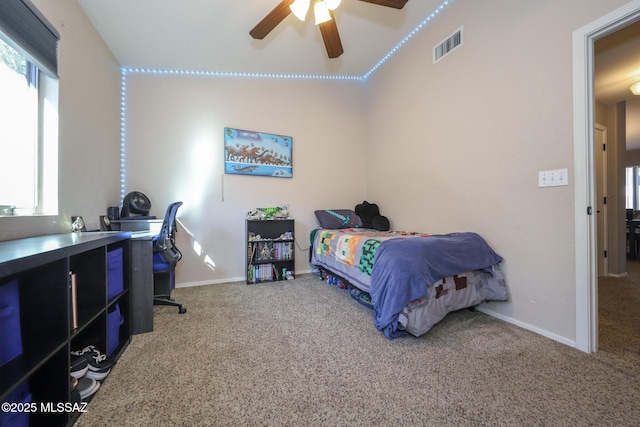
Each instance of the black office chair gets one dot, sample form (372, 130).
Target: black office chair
(165, 257)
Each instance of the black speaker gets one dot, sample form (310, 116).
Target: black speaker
(113, 213)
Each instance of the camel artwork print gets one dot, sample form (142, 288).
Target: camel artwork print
(256, 153)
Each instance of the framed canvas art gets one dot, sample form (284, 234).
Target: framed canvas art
(257, 153)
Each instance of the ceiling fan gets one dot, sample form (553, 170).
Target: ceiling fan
(324, 19)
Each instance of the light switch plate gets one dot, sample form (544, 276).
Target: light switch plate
(553, 178)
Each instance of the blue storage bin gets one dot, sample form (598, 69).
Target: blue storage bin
(114, 321)
(115, 276)
(10, 334)
(17, 419)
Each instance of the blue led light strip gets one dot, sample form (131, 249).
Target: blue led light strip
(406, 39)
(238, 74)
(123, 132)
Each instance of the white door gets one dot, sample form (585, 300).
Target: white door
(600, 153)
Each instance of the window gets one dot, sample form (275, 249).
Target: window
(28, 111)
(632, 189)
(18, 130)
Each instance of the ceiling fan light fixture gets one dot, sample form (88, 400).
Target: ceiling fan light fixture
(300, 8)
(321, 11)
(635, 88)
(332, 4)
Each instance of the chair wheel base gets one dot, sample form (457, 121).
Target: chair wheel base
(169, 301)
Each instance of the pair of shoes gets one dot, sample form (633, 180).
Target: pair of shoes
(87, 387)
(98, 364)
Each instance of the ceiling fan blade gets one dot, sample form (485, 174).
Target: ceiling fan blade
(272, 19)
(396, 4)
(331, 37)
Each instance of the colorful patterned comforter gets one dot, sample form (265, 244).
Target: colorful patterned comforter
(395, 267)
(350, 252)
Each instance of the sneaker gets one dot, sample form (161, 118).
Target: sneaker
(99, 361)
(86, 350)
(95, 357)
(79, 366)
(87, 387)
(96, 373)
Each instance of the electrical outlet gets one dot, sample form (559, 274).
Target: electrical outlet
(553, 178)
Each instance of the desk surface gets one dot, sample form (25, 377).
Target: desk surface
(137, 218)
(153, 225)
(143, 235)
(138, 221)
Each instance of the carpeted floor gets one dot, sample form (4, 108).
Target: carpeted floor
(619, 318)
(303, 353)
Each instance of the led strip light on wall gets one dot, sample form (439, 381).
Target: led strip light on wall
(406, 39)
(123, 131)
(126, 71)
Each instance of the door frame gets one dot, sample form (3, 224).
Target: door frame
(583, 142)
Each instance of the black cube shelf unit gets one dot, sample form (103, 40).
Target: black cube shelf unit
(270, 250)
(49, 276)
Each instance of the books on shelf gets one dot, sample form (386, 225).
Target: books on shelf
(270, 251)
(262, 273)
(267, 272)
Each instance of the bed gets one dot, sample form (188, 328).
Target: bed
(412, 280)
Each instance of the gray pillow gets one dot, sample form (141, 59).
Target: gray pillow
(338, 218)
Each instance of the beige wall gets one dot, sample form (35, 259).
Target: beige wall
(464, 139)
(175, 151)
(89, 126)
(632, 158)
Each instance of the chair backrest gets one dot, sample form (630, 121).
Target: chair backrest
(164, 243)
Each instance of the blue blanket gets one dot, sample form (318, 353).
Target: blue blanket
(405, 268)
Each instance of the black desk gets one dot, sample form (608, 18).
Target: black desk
(142, 233)
(632, 225)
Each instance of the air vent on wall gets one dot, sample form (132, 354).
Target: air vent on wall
(448, 45)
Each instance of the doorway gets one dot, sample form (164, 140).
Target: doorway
(602, 219)
(584, 161)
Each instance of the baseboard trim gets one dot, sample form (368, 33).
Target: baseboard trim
(209, 282)
(529, 327)
(227, 280)
(625, 274)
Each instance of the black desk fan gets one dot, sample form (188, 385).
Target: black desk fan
(135, 203)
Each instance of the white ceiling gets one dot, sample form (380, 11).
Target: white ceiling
(617, 65)
(213, 35)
